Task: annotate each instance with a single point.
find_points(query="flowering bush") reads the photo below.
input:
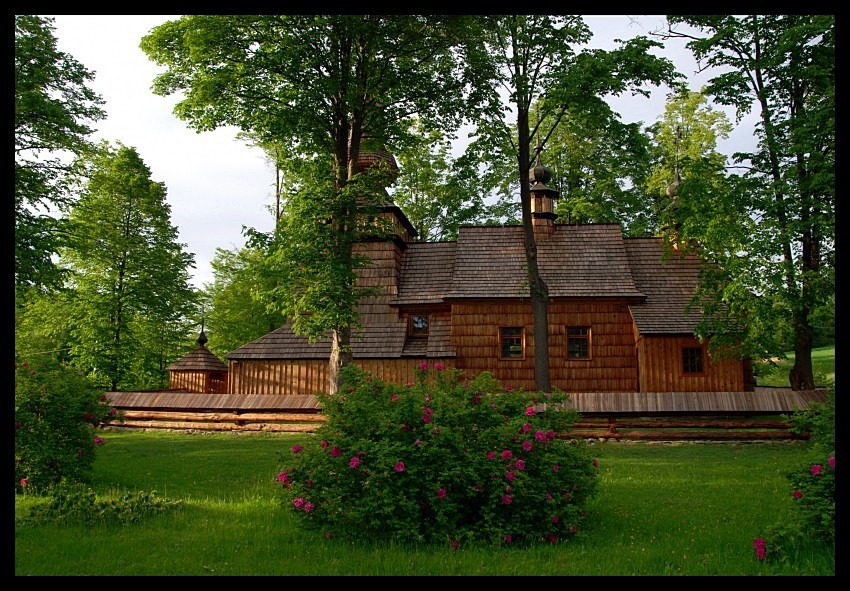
(811, 486)
(57, 412)
(445, 459)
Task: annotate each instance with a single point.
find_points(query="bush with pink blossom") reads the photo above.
(447, 459)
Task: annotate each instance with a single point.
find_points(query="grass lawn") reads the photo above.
(674, 509)
(823, 366)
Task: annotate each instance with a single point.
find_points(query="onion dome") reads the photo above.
(673, 188)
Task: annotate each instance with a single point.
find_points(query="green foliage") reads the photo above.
(73, 503)
(775, 256)
(53, 107)
(131, 296)
(446, 459)
(57, 413)
(812, 485)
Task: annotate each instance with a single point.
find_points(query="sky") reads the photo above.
(215, 183)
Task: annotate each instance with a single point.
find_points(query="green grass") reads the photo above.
(823, 367)
(689, 509)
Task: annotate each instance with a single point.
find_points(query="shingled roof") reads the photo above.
(575, 261)
(198, 359)
(426, 274)
(669, 285)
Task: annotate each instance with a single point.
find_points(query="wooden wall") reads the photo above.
(308, 376)
(661, 368)
(205, 382)
(613, 362)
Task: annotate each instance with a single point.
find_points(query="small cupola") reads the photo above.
(543, 214)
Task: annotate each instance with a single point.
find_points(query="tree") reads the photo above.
(437, 192)
(535, 63)
(783, 66)
(328, 86)
(130, 276)
(53, 110)
(236, 314)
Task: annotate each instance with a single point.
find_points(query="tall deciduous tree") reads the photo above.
(235, 313)
(328, 86)
(536, 63)
(783, 67)
(53, 110)
(130, 275)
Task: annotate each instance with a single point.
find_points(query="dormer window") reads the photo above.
(418, 325)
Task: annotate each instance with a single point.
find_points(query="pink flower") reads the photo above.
(113, 412)
(308, 507)
(399, 467)
(296, 449)
(555, 519)
(436, 430)
(595, 463)
(409, 384)
(550, 434)
(417, 443)
(520, 465)
(423, 366)
(529, 411)
(476, 399)
(508, 539)
(426, 418)
(299, 502)
(508, 389)
(354, 462)
(324, 444)
(507, 500)
(394, 397)
(540, 435)
(797, 494)
(439, 366)
(491, 455)
(454, 544)
(526, 446)
(79, 452)
(526, 427)
(759, 545)
(328, 535)
(572, 529)
(89, 416)
(548, 497)
(282, 477)
(831, 462)
(98, 440)
(816, 469)
(510, 476)
(555, 468)
(507, 454)
(335, 452)
(24, 482)
(441, 494)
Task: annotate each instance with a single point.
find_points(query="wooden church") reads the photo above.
(617, 312)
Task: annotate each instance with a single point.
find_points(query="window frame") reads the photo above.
(502, 338)
(702, 360)
(586, 337)
(410, 329)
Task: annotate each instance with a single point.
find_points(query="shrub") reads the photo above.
(445, 459)
(73, 503)
(811, 484)
(57, 413)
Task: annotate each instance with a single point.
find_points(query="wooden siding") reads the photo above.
(299, 377)
(661, 368)
(199, 381)
(613, 362)
(279, 376)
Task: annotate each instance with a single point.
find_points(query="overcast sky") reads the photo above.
(217, 184)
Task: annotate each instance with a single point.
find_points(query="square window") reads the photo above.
(419, 326)
(512, 342)
(578, 342)
(692, 360)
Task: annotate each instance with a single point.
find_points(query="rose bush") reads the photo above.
(446, 459)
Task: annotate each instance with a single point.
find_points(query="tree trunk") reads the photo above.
(340, 358)
(538, 290)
